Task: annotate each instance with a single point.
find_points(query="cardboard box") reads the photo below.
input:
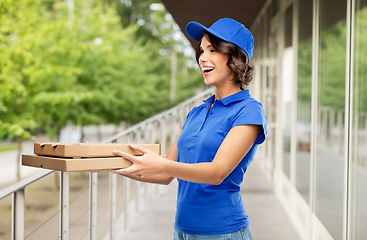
(75, 164)
(78, 157)
(87, 150)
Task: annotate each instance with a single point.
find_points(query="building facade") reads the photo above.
(310, 74)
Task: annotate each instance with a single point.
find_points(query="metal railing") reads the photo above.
(162, 128)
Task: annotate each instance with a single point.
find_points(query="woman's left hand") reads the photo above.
(148, 164)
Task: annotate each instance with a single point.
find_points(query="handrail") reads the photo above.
(22, 184)
(166, 122)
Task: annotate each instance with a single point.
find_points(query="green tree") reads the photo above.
(79, 65)
(16, 113)
(158, 32)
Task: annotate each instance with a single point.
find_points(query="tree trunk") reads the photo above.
(82, 133)
(83, 175)
(57, 134)
(19, 144)
(99, 133)
(57, 173)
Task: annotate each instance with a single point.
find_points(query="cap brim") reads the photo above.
(195, 30)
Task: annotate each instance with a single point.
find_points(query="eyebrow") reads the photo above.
(209, 46)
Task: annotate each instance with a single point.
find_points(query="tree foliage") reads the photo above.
(85, 64)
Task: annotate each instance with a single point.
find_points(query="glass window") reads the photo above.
(304, 88)
(330, 162)
(358, 164)
(287, 91)
(257, 49)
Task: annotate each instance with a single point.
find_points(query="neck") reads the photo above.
(226, 91)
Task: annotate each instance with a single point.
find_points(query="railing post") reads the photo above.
(64, 205)
(93, 177)
(18, 215)
(113, 183)
(137, 185)
(126, 202)
(163, 137)
(137, 194)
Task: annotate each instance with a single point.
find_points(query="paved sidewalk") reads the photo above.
(268, 219)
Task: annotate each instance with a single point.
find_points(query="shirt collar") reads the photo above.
(240, 96)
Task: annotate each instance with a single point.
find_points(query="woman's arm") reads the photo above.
(156, 178)
(234, 147)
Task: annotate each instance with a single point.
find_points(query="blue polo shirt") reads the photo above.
(207, 209)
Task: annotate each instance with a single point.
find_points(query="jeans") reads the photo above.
(242, 234)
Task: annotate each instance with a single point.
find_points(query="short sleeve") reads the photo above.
(252, 114)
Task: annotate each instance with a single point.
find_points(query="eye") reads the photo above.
(212, 50)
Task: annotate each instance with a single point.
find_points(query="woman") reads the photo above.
(217, 142)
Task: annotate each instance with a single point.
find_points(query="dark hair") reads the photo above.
(237, 62)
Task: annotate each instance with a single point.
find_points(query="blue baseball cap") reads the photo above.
(226, 29)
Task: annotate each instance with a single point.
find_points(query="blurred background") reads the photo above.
(88, 63)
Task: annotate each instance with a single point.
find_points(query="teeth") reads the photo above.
(207, 68)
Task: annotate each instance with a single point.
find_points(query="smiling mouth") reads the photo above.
(207, 69)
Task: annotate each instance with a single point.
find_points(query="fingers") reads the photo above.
(134, 147)
(124, 155)
(139, 148)
(139, 168)
(133, 170)
(124, 171)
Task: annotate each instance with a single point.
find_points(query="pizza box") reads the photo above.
(86, 150)
(94, 157)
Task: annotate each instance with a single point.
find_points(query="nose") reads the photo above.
(202, 58)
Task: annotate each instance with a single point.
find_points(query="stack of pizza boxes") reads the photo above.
(77, 157)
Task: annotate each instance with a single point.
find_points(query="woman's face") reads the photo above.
(214, 65)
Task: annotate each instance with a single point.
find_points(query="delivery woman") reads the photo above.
(217, 142)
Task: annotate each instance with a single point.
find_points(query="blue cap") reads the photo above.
(226, 29)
